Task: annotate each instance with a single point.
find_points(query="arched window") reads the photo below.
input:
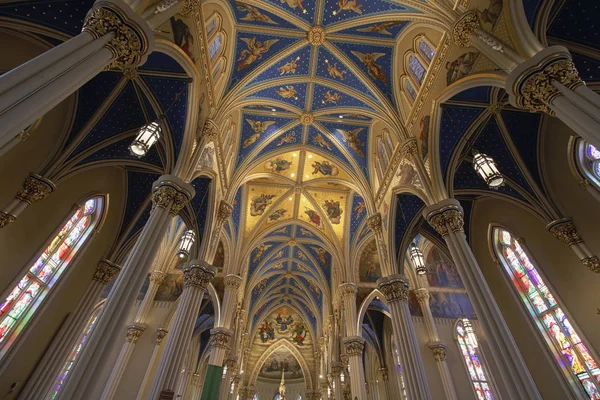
(416, 68)
(572, 355)
(213, 24)
(409, 88)
(27, 295)
(388, 141)
(218, 68)
(215, 46)
(467, 343)
(383, 154)
(81, 341)
(588, 158)
(425, 49)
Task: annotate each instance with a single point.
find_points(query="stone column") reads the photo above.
(170, 194)
(446, 217)
(134, 331)
(113, 37)
(231, 364)
(41, 382)
(564, 230)
(35, 188)
(395, 290)
(375, 223)
(196, 276)
(348, 293)
(220, 339)
(160, 336)
(437, 348)
(336, 372)
(354, 347)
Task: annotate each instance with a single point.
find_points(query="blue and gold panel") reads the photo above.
(326, 97)
(236, 215)
(279, 255)
(293, 65)
(303, 9)
(139, 186)
(255, 129)
(408, 207)
(300, 268)
(200, 203)
(333, 69)
(477, 94)
(293, 94)
(336, 11)
(246, 14)
(262, 252)
(266, 107)
(348, 117)
(311, 288)
(304, 233)
(322, 142)
(65, 16)
(383, 30)
(354, 138)
(285, 231)
(120, 151)
(161, 62)
(375, 61)
(252, 50)
(322, 257)
(359, 212)
(364, 232)
(309, 314)
(258, 313)
(455, 122)
(280, 266)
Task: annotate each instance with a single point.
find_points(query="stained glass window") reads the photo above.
(382, 152)
(20, 305)
(591, 162)
(426, 50)
(215, 46)
(212, 25)
(572, 355)
(467, 343)
(218, 68)
(410, 89)
(81, 341)
(416, 68)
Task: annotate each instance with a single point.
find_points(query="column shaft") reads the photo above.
(354, 346)
(160, 335)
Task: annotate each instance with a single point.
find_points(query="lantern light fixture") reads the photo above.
(417, 259)
(486, 167)
(470, 332)
(185, 245)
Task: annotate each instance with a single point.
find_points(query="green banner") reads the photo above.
(212, 383)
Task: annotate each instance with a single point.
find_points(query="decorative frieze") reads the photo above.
(394, 287)
(105, 272)
(35, 188)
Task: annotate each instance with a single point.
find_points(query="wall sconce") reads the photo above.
(486, 167)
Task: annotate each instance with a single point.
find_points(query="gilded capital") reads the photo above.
(157, 277)
(421, 294)
(169, 196)
(564, 230)
(224, 212)
(129, 43)
(410, 148)
(6, 218)
(354, 345)
(160, 335)
(394, 287)
(592, 263)
(464, 28)
(105, 272)
(347, 291)
(198, 275)
(134, 332)
(230, 363)
(232, 282)
(220, 337)
(336, 368)
(210, 130)
(438, 350)
(446, 219)
(375, 223)
(35, 188)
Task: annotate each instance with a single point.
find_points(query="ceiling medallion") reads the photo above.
(316, 35)
(307, 118)
(291, 242)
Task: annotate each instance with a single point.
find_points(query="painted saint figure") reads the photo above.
(324, 168)
(259, 203)
(333, 210)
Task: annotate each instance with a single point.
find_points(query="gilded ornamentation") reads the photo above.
(439, 352)
(384, 374)
(210, 130)
(534, 89)
(422, 294)
(105, 272)
(347, 291)
(307, 118)
(189, 7)
(354, 345)
(224, 211)
(6, 218)
(232, 282)
(454, 220)
(316, 35)
(160, 335)
(157, 277)
(198, 276)
(130, 73)
(336, 368)
(167, 195)
(24, 134)
(129, 42)
(446, 220)
(565, 231)
(344, 359)
(464, 28)
(394, 288)
(438, 223)
(220, 337)
(410, 148)
(375, 223)
(230, 363)
(592, 263)
(35, 188)
(133, 333)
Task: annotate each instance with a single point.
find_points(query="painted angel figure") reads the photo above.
(353, 141)
(254, 14)
(254, 52)
(349, 5)
(259, 127)
(295, 3)
(380, 28)
(374, 69)
(287, 92)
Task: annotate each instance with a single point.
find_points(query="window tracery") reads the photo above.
(416, 63)
(588, 159)
(467, 344)
(563, 339)
(38, 280)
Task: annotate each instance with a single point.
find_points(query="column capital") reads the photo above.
(210, 131)
(464, 28)
(410, 148)
(344, 359)
(134, 332)
(445, 216)
(564, 230)
(354, 345)
(35, 188)
(347, 290)
(421, 294)
(132, 36)
(232, 282)
(230, 363)
(6, 218)
(106, 271)
(375, 223)
(220, 338)
(336, 368)
(171, 192)
(394, 287)
(198, 274)
(530, 84)
(438, 350)
(157, 277)
(592, 263)
(160, 335)
(384, 374)
(224, 212)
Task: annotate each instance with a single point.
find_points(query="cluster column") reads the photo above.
(446, 217)
(196, 276)
(395, 289)
(170, 194)
(161, 333)
(55, 358)
(219, 343)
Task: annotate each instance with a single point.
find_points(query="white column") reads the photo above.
(336, 374)
(113, 36)
(231, 365)
(35, 188)
(354, 347)
(170, 194)
(160, 335)
(347, 292)
(134, 331)
(446, 217)
(41, 382)
(395, 290)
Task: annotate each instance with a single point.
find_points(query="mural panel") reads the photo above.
(369, 268)
(281, 360)
(441, 272)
